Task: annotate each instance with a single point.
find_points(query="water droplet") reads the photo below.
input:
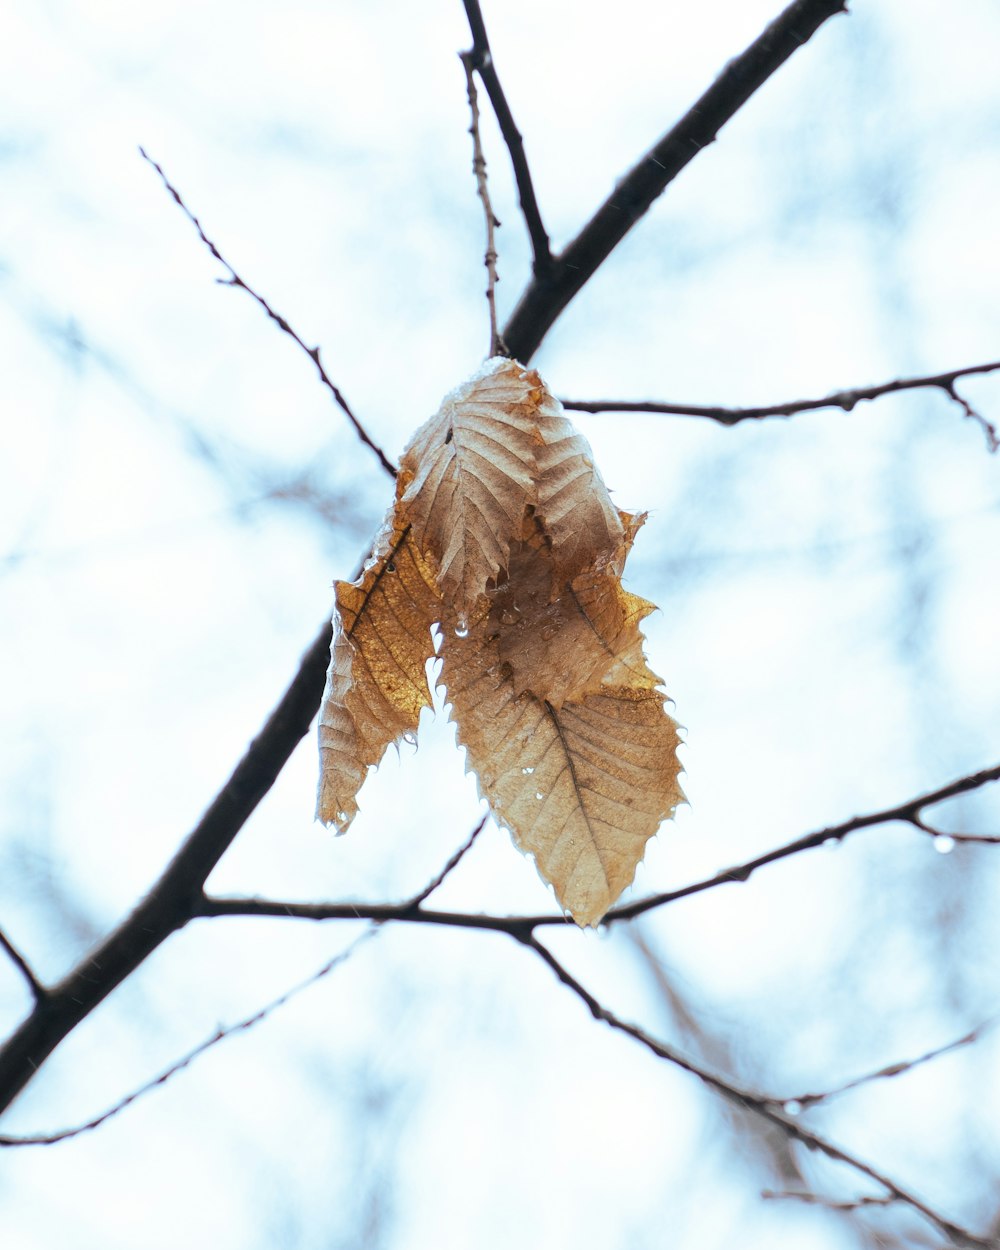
(792, 1107)
(831, 844)
(527, 771)
(943, 844)
(510, 615)
(549, 632)
(539, 795)
(461, 631)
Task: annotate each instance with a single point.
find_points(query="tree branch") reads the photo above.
(803, 1101)
(750, 1100)
(49, 1139)
(479, 169)
(845, 400)
(550, 291)
(481, 60)
(909, 812)
(173, 900)
(312, 352)
(833, 1204)
(518, 926)
(37, 989)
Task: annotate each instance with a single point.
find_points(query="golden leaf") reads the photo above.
(581, 787)
(559, 639)
(376, 685)
(500, 445)
(504, 532)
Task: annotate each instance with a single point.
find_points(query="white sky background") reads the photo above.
(177, 494)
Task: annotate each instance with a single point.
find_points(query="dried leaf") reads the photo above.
(499, 446)
(560, 638)
(376, 685)
(582, 787)
(504, 532)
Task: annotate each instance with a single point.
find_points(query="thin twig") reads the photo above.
(520, 925)
(449, 867)
(832, 1204)
(550, 291)
(752, 1101)
(173, 900)
(479, 169)
(22, 965)
(803, 1101)
(833, 834)
(845, 400)
(220, 1035)
(313, 353)
(483, 63)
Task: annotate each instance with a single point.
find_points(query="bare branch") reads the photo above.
(48, 1139)
(312, 352)
(845, 400)
(220, 1035)
(213, 906)
(449, 867)
(38, 990)
(750, 1100)
(519, 926)
(550, 291)
(173, 900)
(832, 1204)
(803, 1101)
(482, 61)
(479, 169)
(909, 812)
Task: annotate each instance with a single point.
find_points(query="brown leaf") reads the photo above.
(559, 639)
(499, 446)
(581, 787)
(504, 532)
(376, 685)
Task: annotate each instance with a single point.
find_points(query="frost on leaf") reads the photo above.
(504, 533)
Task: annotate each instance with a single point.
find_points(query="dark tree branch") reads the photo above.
(550, 291)
(909, 812)
(750, 1100)
(481, 58)
(518, 926)
(845, 400)
(435, 882)
(235, 280)
(804, 1101)
(49, 1139)
(174, 899)
(38, 990)
(482, 186)
(833, 1204)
